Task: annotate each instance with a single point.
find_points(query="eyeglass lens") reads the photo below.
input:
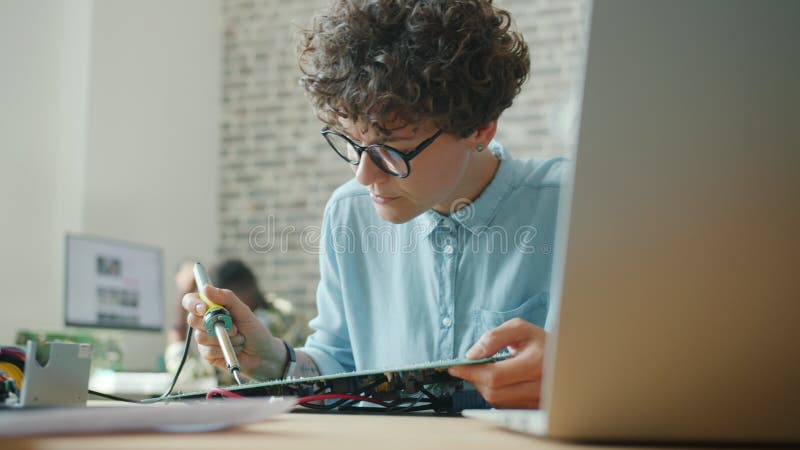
(381, 156)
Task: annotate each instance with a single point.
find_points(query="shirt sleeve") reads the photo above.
(329, 345)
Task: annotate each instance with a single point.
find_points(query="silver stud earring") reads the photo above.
(479, 148)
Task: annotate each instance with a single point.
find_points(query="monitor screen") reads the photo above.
(113, 284)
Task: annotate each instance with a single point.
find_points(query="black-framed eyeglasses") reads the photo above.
(387, 158)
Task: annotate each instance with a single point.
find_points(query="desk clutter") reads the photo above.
(63, 379)
(414, 388)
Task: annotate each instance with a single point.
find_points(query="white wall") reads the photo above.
(33, 158)
(153, 139)
(108, 126)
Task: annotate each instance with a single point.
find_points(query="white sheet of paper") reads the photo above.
(184, 417)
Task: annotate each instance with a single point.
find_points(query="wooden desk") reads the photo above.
(308, 431)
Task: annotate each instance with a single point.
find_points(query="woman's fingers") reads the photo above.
(500, 374)
(512, 333)
(514, 382)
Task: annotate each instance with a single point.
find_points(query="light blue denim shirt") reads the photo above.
(426, 290)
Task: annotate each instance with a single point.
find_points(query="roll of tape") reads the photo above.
(12, 371)
(12, 364)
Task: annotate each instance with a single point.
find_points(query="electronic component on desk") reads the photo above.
(62, 380)
(419, 387)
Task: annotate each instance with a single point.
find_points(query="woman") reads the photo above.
(443, 240)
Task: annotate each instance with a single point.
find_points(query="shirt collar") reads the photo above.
(478, 214)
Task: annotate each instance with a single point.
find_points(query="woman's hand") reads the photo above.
(514, 382)
(260, 354)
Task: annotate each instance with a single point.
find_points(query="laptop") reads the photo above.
(677, 275)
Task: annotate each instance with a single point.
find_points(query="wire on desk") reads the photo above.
(222, 393)
(171, 386)
(305, 401)
(358, 398)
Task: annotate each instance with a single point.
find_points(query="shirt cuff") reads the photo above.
(326, 364)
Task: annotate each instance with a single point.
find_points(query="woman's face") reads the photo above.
(437, 177)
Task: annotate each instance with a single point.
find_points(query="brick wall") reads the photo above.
(276, 172)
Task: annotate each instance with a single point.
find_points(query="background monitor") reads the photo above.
(113, 284)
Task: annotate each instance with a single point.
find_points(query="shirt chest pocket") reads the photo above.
(534, 310)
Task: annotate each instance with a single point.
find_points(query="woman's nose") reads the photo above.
(367, 172)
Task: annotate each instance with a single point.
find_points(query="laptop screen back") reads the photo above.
(679, 309)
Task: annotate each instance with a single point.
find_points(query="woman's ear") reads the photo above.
(481, 137)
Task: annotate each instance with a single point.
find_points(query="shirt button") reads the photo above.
(448, 249)
(447, 321)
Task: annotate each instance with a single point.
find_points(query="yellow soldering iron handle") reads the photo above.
(215, 312)
(202, 280)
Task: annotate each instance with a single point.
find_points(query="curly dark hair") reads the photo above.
(457, 63)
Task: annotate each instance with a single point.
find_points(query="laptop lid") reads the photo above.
(678, 318)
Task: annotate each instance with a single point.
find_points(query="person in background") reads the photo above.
(275, 313)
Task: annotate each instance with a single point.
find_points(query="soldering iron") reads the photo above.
(217, 322)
